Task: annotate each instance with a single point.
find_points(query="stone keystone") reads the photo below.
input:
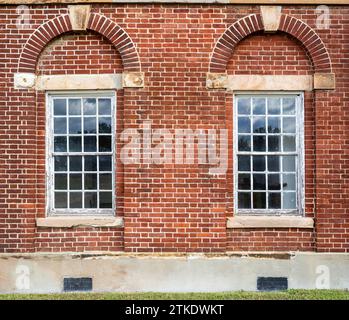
(271, 17)
(79, 16)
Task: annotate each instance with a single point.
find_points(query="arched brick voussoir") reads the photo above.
(119, 38)
(310, 39)
(61, 24)
(230, 38)
(39, 39)
(245, 26)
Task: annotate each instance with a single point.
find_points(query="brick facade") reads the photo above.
(172, 207)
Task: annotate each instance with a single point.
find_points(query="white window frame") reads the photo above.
(300, 171)
(50, 210)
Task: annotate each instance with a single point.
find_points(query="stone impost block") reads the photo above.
(133, 79)
(216, 81)
(324, 81)
(24, 80)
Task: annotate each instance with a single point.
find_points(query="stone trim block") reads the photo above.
(324, 81)
(23, 80)
(79, 16)
(270, 82)
(271, 16)
(82, 221)
(79, 82)
(216, 80)
(241, 222)
(133, 80)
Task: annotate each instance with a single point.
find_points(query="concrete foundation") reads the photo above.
(45, 273)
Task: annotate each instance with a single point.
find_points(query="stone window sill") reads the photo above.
(80, 221)
(240, 222)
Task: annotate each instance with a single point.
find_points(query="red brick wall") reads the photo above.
(172, 208)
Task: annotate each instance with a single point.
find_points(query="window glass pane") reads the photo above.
(289, 106)
(289, 200)
(74, 144)
(274, 125)
(274, 201)
(89, 125)
(244, 143)
(90, 144)
(273, 163)
(244, 125)
(90, 181)
(74, 107)
(104, 125)
(258, 163)
(75, 163)
(259, 181)
(105, 181)
(274, 144)
(60, 181)
(274, 105)
(104, 143)
(89, 106)
(244, 105)
(259, 124)
(90, 163)
(259, 200)
(61, 200)
(289, 125)
(259, 143)
(104, 106)
(244, 182)
(289, 181)
(90, 200)
(244, 200)
(75, 125)
(60, 125)
(75, 181)
(244, 163)
(105, 163)
(289, 163)
(60, 163)
(60, 144)
(274, 182)
(258, 105)
(289, 143)
(75, 200)
(105, 200)
(59, 107)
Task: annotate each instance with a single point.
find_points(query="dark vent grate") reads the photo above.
(77, 284)
(272, 283)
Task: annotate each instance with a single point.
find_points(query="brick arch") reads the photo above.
(61, 24)
(253, 23)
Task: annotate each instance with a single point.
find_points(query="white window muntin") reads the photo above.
(298, 153)
(51, 154)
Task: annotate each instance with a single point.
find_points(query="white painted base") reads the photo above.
(43, 273)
